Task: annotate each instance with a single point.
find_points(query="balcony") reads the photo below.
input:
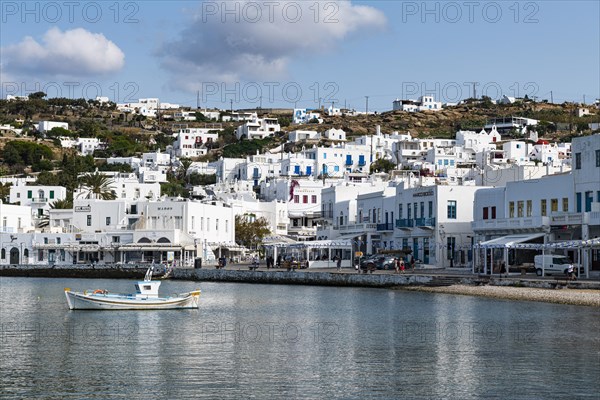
(405, 223)
(39, 200)
(388, 226)
(428, 223)
(527, 224)
(357, 228)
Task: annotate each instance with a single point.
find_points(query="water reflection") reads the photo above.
(294, 341)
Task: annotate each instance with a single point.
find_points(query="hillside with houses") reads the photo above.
(94, 181)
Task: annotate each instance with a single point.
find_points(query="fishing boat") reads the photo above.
(145, 298)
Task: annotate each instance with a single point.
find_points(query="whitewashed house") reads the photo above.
(258, 128)
(191, 142)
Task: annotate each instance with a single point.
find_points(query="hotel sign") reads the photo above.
(83, 209)
(423, 194)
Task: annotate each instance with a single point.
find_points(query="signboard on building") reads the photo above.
(82, 209)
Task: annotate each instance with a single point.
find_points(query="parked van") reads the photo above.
(553, 264)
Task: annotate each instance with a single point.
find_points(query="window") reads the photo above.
(520, 205)
(408, 211)
(485, 213)
(511, 209)
(578, 195)
(217, 224)
(107, 221)
(415, 210)
(296, 198)
(422, 205)
(305, 199)
(451, 209)
(226, 225)
(554, 205)
(494, 212)
(313, 199)
(89, 220)
(193, 221)
(52, 194)
(116, 239)
(543, 211)
(577, 160)
(3, 254)
(57, 240)
(29, 194)
(431, 209)
(400, 211)
(597, 158)
(201, 223)
(207, 224)
(529, 208)
(565, 202)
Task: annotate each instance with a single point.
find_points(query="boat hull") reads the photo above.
(83, 301)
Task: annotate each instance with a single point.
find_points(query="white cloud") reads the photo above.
(73, 53)
(216, 48)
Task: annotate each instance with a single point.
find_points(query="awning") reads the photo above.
(316, 244)
(511, 241)
(149, 247)
(228, 246)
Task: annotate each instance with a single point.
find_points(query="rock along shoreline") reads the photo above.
(514, 287)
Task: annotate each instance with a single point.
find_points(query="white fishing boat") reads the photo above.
(145, 298)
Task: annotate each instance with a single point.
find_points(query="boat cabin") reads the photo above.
(147, 288)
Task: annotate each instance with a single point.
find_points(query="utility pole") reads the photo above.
(231, 102)
(198, 99)
(551, 98)
(261, 102)
(367, 106)
(474, 91)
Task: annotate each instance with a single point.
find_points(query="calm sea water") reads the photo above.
(260, 341)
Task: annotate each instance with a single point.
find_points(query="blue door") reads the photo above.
(309, 170)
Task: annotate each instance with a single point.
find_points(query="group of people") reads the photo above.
(401, 265)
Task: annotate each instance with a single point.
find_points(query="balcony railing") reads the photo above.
(425, 222)
(39, 200)
(523, 224)
(358, 228)
(404, 223)
(388, 226)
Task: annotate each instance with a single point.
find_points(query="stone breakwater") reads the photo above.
(100, 271)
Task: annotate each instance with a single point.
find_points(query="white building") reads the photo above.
(192, 142)
(424, 103)
(435, 223)
(258, 128)
(306, 115)
(38, 198)
(300, 135)
(45, 126)
(84, 146)
(125, 186)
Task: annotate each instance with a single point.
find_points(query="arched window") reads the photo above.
(3, 254)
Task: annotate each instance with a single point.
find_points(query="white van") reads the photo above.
(553, 264)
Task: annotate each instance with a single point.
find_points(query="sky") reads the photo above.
(246, 54)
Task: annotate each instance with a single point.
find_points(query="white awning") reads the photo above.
(511, 241)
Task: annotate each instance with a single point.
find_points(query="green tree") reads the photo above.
(250, 232)
(382, 165)
(97, 186)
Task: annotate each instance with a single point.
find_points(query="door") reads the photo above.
(14, 256)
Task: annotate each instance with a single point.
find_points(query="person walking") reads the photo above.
(402, 267)
(397, 265)
(338, 262)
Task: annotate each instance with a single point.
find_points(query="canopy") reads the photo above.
(511, 241)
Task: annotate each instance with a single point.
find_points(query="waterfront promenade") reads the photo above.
(452, 281)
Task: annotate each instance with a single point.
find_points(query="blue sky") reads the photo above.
(303, 53)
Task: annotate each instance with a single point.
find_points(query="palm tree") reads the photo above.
(43, 220)
(97, 186)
